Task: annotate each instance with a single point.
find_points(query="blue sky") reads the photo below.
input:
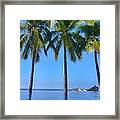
(49, 73)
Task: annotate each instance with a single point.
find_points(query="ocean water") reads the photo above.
(59, 95)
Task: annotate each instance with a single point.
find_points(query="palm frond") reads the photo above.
(59, 44)
(56, 55)
(72, 55)
(37, 57)
(26, 50)
(23, 40)
(72, 24)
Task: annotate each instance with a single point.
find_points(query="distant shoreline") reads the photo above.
(95, 88)
(46, 89)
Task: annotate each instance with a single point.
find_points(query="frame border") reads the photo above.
(55, 2)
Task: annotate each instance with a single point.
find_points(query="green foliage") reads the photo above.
(95, 44)
(67, 38)
(89, 47)
(23, 26)
(37, 42)
(90, 22)
(92, 33)
(66, 32)
(31, 41)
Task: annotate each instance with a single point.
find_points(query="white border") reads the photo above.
(13, 15)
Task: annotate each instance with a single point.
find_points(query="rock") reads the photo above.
(94, 88)
(77, 89)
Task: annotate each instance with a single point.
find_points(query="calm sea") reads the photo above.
(56, 94)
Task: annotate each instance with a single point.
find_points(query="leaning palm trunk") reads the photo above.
(97, 67)
(31, 78)
(65, 75)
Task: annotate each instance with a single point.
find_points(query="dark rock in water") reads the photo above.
(95, 88)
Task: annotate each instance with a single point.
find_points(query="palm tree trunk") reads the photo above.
(65, 75)
(97, 67)
(31, 78)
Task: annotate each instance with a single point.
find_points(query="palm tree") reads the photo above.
(31, 44)
(94, 45)
(91, 31)
(64, 30)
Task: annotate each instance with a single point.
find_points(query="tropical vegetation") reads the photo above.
(92, 36)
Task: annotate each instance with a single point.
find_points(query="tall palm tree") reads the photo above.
(64, 30)
(31, 44)
(91, 31)
(94, 45)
